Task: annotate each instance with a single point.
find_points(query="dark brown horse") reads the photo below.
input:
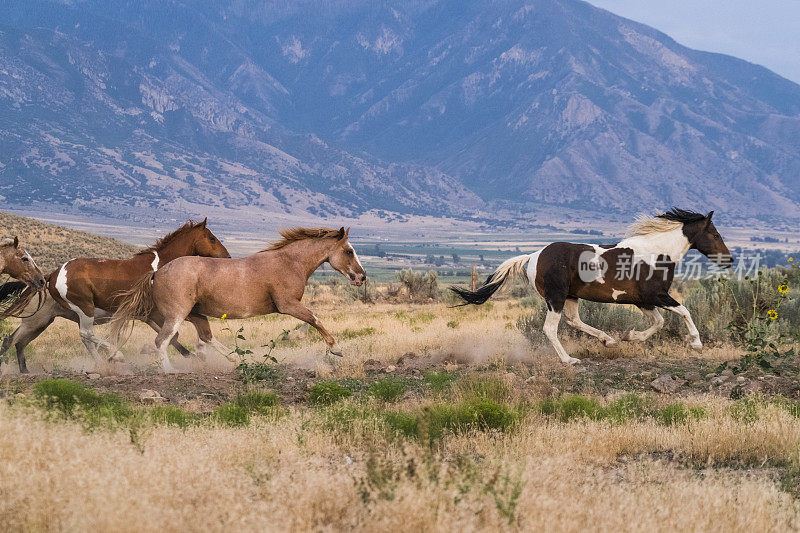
(269, 281)
(86, 290)
(639, 271)
(18, 263)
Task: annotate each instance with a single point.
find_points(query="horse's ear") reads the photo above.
(709, 215)
(342, 233)
(16, 241)
(347, 232)
(203, 223)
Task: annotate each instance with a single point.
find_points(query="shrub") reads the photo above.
(745, 410)
(354, 334)
(326, 393)
(627, 407)
(388, 389)
(479, 387)
(405, 424)
(421, 287)
(678, 413)
(481, 414)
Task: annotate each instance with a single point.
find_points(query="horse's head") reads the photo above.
(18, 263)
(707, 240)
(205, 243)
(344, 259)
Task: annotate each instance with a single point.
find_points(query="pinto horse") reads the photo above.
(638, 270)
(270, 281)
(85, 290)
(18, 263)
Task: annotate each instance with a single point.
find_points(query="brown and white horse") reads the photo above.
(18, 263)
(270, 281)
(638, 270)
(86, 290)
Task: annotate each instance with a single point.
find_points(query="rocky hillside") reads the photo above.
(52, 245)
(425, 106)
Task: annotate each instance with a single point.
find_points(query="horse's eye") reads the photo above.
(212, 239)
(25, 259)
(350, 252)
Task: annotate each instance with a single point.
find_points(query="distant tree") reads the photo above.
(456, 258)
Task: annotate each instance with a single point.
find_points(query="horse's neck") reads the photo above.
(174, 249)
(308, 253)
(671, 243)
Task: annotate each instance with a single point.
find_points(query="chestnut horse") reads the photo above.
(270, 281)
(639, 271)
(18, 263)
(85, 290)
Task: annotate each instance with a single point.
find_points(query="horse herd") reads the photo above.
(189, 275)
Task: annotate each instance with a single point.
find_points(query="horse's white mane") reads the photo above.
(648, 225)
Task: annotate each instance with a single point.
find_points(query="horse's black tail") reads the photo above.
(506, 272)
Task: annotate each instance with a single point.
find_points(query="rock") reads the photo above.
(150, 396)
(711, 375)
(530, 380)
(753, 387)
(311, 373)
(389, 369)
(666, 384)
(290, 378)
(693, 376)
(718, 380)
(740, 379)
(727, 372)
(93, 375)
(372, 364)
(406, 357)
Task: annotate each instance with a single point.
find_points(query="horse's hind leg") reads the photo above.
(551, 331)
(656, 322)
(168, 330)
(27, 331)
(205, 337)
(574, 320)
(173, 341)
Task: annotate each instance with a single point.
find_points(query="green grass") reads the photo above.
(231, 414)
(440, 381)
(474, 386)
(258, 402)
(170, 416)
(478, 414)
(355, 333)
(74, 399)
(327, 393)
(388, 389)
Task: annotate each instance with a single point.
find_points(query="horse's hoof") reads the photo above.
(573, 361)
(117, 358)
(696, 346)
(609, 342)
(335, 350)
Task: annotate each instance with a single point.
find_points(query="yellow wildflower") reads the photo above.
(791, 259)
(772, 314)
(783, 289)
(224, 316)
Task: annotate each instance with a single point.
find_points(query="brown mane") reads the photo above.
(169, 237)
(291, 235)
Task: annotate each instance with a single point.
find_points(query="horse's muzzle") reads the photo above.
(357, 279)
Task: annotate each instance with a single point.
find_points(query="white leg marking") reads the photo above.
(616, 293)
(694, 336)
(166, 364)
(574, 320)
(551, 331)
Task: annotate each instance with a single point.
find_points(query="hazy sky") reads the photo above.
(766, 32)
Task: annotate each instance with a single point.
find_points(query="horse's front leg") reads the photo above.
(300, 311)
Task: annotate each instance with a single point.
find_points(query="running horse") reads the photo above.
(86, 290)
(18, 263)
(638, 270)
(270, 281)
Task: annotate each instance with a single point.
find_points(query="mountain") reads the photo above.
(445, 107)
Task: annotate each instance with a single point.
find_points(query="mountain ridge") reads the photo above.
(425, 107)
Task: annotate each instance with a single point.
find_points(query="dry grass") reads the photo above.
(290, 474)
